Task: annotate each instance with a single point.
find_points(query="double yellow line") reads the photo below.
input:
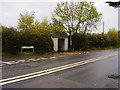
(52, 70)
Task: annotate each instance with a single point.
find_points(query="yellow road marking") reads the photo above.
(48, 71)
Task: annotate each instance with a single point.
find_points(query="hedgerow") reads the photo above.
(13, 40)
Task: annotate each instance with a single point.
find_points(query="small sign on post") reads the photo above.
(27, 47)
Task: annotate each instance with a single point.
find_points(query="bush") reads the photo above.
(99, 40)
(93, 40)
(10, 40)
(13, 40)
(113, 34)
(80, 41)
(40, 43)
(104, 40)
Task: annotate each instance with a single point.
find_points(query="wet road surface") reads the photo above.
(91, 75)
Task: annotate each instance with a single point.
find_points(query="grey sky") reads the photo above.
(10, 11)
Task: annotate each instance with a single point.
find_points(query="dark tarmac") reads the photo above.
(91, 75)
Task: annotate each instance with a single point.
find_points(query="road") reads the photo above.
(90, 70)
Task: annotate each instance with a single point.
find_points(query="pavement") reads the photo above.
(85, 70)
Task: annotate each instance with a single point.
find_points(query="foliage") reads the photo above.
(26, 21)
(77, 16)
(113, 34)
(13, 40)
(57, 26)
(99, 41)
(88, 41)
(104, 40)
(41, 44)
(80, 41)
(10, 40)
(43, 28)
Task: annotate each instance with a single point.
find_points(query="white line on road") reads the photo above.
(32, 59)
(48, 71)
(22, 61)
(52, 57)
(43, 58)
(7, 62)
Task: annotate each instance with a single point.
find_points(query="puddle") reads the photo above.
(114, 76)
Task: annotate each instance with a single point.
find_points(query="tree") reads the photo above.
(26, 21)
(42, 28)
(57, 26)
(113, 34)
(28, 24)
(77, 16)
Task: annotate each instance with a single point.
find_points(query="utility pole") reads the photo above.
(103, 28)
(71, 25)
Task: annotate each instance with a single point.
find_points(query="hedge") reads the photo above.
(88, 41)
(80, 41)
(13, 40)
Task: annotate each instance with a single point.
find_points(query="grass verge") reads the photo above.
(51, 52)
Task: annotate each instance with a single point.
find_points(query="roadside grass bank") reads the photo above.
(27, 53)
(53, 52)
(105, 48)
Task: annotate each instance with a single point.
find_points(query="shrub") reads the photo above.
(113, 34)
(41, 44)
(13, 40)
(93, 40)
(80, 42)
(99, 40)
(10, 40)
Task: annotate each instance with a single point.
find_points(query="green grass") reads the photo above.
(31, 53)
(6, 54)
(105, 48)
(112, 47)
(118, 46)
(18, 54)
(25, 53)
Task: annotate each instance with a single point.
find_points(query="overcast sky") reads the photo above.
(11, 9)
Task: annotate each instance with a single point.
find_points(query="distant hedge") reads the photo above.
(41, 43)
(10, 40)
(13, 40)
(88, 41)
(80, 41)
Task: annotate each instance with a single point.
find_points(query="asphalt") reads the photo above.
(92, 75)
